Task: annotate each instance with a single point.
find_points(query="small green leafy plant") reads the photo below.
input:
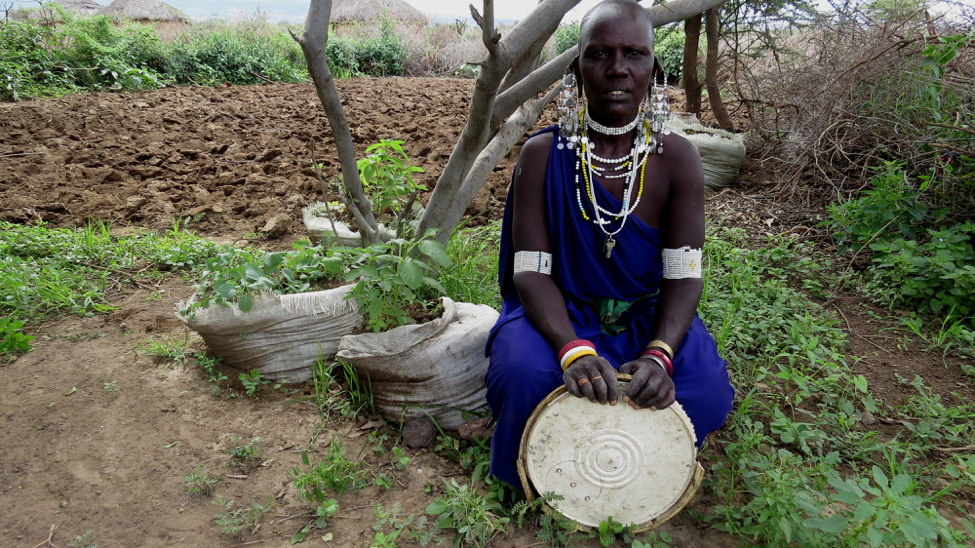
(12, 340)
(199, 483)
(253, 382)
(236, 522)
(235, 276)
(392, 276)
(244, 451)
(336, 473)
(84, 540)
(476, 518)
(387, 178)
(325, 510)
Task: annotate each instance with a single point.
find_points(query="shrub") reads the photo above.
(669, 50)
(890, 209)
(934, 276)
(566, 36)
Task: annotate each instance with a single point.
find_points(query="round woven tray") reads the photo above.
(638, 467)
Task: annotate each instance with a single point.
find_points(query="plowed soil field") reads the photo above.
(76, 456)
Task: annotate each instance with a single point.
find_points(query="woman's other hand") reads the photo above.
(650, 386)
(591, 377)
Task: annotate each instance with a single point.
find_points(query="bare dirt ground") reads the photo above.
(78, 457)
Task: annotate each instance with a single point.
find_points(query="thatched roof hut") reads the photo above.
(47, 12)
(145, 11)
(347, 11)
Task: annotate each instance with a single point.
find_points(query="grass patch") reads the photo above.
(796, 466)
(46, 271)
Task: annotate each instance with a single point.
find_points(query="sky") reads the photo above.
(295, 10)
(505, 11)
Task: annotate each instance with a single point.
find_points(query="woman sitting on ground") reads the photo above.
(600, 265)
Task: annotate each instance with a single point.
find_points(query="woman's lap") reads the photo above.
(524, 370)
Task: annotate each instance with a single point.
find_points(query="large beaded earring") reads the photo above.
(570, 112)
(660, 119)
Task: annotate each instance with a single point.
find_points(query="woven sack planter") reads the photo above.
(436, 367)
(281, 335)
(722, 152)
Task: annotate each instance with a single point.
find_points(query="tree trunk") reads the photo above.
(313, 42)
(692, 86)
(712, 28)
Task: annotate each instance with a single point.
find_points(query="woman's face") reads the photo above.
(615, 63)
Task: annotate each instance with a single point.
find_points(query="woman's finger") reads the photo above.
(664, 396)
(648, 390)
(571, 384)
(609, 376)
(640, 375)
(585, 386)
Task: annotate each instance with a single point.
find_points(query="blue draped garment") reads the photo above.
(524, 368)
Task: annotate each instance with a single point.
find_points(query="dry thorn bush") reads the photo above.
(841, 96)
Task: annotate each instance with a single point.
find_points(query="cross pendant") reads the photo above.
(609, 245)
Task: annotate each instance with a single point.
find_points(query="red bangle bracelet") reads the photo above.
(574, 344)
(663, 357)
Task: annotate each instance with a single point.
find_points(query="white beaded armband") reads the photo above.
(533, 261)
(682, 263)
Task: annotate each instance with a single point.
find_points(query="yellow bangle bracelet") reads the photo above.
(577, 355)
(662, 345)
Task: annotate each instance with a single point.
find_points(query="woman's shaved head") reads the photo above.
(612, 8)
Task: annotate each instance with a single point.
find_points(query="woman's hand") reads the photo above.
(650, 386)
(591, 377)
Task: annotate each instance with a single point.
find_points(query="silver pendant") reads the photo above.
(608, 246)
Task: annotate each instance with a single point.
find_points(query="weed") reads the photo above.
(12, 340)
(253, 382)
(400, 461)
(325, 510)
(476, 518)
(389, 526)
(83, 540)
(209, 365)
(328, 396)
(360, 396)
(336, 473)
(473, 253)
(198, 483)
(654, 539)
(236, 522)
(244, 451)
(170, 349)
(552, 528)
(111, 388)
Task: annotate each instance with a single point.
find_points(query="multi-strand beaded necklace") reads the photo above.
(626, 167)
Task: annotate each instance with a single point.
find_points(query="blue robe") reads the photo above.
(524, 368)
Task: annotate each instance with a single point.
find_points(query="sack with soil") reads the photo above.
(437, 367)
(281, 335)
(722, 152)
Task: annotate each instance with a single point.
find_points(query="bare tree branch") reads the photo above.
(313, 42)
(502, 143)
(489, 35)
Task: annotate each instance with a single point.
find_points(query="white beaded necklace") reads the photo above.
(635, 166)
(606, 130)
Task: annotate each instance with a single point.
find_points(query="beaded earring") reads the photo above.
(570, 112)
(660, 117)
